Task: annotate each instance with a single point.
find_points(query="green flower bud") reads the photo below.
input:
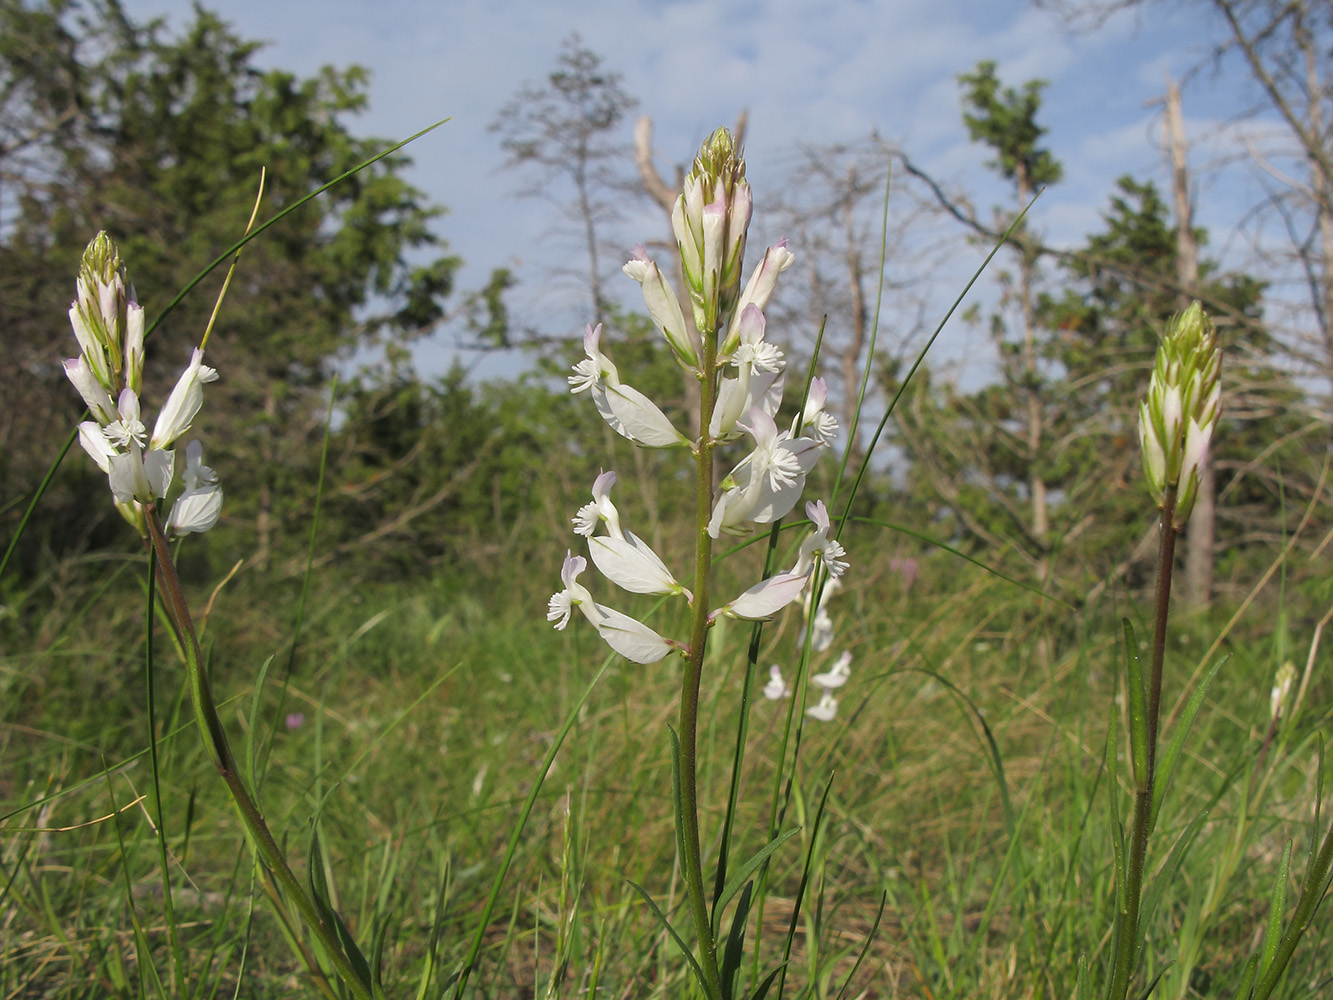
(1177, 419)
(710, 220)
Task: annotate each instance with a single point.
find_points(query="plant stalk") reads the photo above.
(1129, 936)
(691, 862)
(219, 751)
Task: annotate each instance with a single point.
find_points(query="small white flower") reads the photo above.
(95, 396)
(141, 476)
(664, 308)
(601, 509)
(197, 509)
(197, 475)
(95, 443)
(764, 599)
(128, 428)
(632, 565)
(768, 481)
(631, 639)
(815, 421)
(627, 411)
(758, 289)
(182, 406)
(837, 674)
(818, 543)
(776, 688)
(826, 710)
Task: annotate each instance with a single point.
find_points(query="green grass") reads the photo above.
(428, 710)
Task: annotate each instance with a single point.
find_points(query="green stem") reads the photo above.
(219, 751)
(1127, 940)
(691, 863)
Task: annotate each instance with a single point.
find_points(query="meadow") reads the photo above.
(479, 798)
(924, 718)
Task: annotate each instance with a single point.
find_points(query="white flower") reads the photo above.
(128, 427)
(182, 406)
(197, 475)
(627, 411)
(95, 443)
(758, 290)
(631, 639)
(819, 543)
(139, 476)
(776, 688)
(837, 674)
(764, 599)
(601, 509)
(815, 421)
(664, 308)
(199, 505)
(632, 565)
(195, 510)
(758, 381)
(95, 396)
(826, 710)
(768, 481)
(134, 333)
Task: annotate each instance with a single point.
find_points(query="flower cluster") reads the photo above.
(141, 467)
(1177, 419)
(821, 638)
(722, 343)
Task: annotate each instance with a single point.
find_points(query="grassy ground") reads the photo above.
(966, 792)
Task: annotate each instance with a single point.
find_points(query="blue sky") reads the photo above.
(807, 72)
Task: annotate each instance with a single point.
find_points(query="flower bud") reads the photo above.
(1280, 696)
(1177, 419)
(95, 314)
(710, 220)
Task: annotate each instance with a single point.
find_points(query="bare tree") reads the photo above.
(565, 131)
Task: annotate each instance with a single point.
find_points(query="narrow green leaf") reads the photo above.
(762, 989)
(733, 952)
(1138, 708)
(319, 891)
(1247, 979)
(1277, 905)
(742, 875)
(1158, 883)
(253, 730)
(865, 947)
(1155, 980)
(1166, 764)
(680, 941)
(377, 959)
